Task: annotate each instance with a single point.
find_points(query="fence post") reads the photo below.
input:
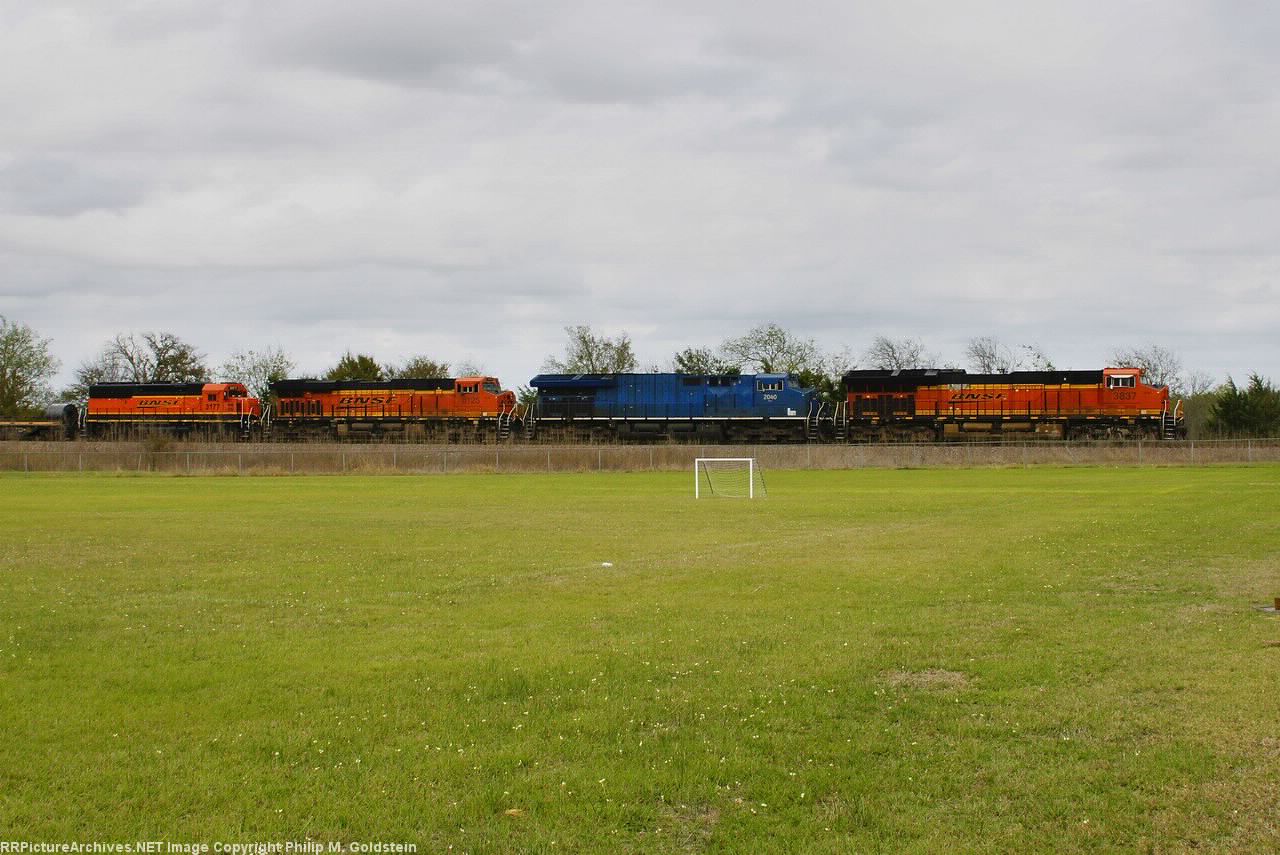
(444, 461)
(651, 458)
(290, 462)
(600, 460)
(188, 462)
(24, 461)
(81, 461)
(548, 460)
(344, 461)
(240, 463)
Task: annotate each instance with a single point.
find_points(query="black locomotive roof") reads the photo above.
(574, 380)
(293, 388)
(542, 381)
(130, 390)
(877, 380)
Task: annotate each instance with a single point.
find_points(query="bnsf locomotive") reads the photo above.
(910, 405)
(197, 410)
(465, 409)
(930, 404)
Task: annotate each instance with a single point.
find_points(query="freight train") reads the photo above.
(920, 405)
(923, 405)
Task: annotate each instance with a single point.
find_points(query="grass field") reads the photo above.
(915, 660)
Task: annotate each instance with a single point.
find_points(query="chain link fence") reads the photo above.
(328, 459)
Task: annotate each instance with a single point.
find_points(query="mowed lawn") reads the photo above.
(1000, 660)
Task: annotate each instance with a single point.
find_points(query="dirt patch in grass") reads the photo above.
(691, 826)
(933, 679)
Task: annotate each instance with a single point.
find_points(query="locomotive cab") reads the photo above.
(1117, 380)
(1125, 386)
(466, 386)
(228, 397)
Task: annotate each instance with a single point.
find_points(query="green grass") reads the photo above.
(977, 660)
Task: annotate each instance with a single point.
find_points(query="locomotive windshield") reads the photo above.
(492, 386)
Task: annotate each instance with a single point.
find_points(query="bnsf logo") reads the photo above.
(157, 402)
(977, 396)
(366, 400)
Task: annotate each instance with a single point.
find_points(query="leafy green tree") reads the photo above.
(588, 353)
(355, 366)
(1251, 411)
(26, 366)
(770, 349)
(417, 367)
(257, 369)
(703, 360)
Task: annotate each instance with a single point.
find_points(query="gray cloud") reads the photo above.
(57, 187)
(466, 181)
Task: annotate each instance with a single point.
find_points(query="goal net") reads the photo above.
(732, 477)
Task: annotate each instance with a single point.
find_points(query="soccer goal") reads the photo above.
(732, 477)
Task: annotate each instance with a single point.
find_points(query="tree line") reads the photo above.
(27, 367)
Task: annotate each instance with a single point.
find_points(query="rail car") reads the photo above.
(462, 409)
(59, 421)
(195, 410)
(696, 408)
(947, 404)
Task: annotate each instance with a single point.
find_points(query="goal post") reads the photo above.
(730, 477)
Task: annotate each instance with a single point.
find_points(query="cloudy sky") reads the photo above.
(462, 180)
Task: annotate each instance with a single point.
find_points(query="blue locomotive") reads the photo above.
(693, 407)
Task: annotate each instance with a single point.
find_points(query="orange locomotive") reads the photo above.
(208, 410)
(463, 409)
(930, 404)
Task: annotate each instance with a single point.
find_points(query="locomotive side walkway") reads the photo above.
(333, 458)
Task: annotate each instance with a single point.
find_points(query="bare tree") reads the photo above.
(145, 358)
(987, 355)
(257, 369)
(588, 353)
(26, 366)
(1196, 383)
(903, 353)
(1160, 366)
(771, 349)
(156, 358)
(1034, 358)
